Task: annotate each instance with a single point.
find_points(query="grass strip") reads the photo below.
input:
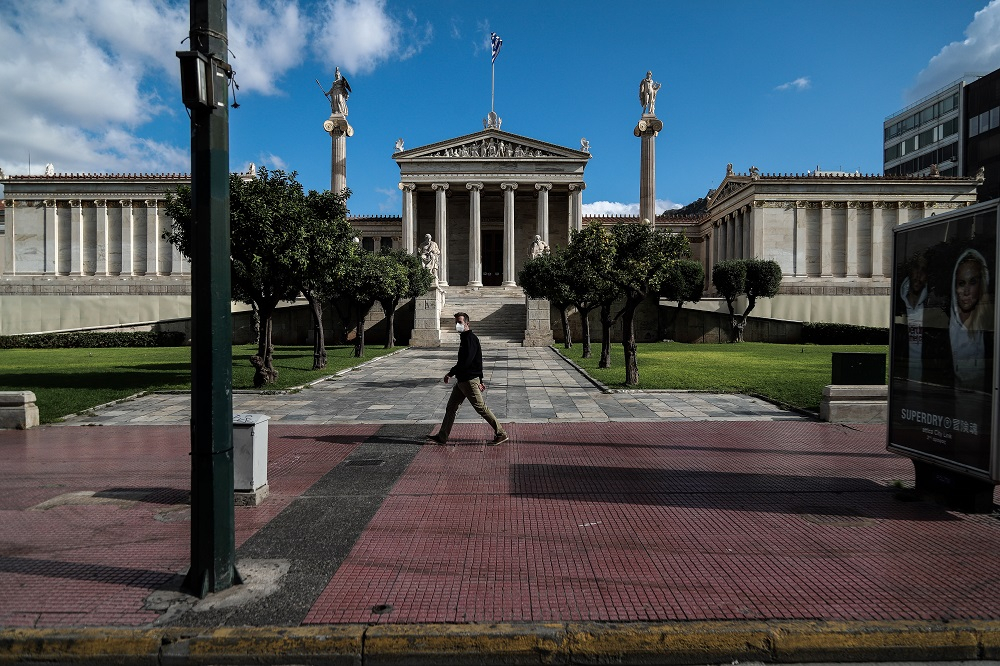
(68, 381)
(792, 375)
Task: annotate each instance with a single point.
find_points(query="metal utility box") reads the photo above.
(250, 458)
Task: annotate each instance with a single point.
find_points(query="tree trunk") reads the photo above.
(585, 325)
(567, 332)
(390, 323)
(359, 337)
(263, 362)
(319, 338)
(628, 344)
(606, 323)
(738, 326)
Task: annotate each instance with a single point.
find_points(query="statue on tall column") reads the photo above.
(647, 94)
(339, 90)
(429, 253)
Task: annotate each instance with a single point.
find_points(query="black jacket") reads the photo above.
(470, 358)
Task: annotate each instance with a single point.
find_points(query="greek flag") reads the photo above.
(497, 43)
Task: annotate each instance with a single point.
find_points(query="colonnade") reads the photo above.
(80, 237)
(475, 190)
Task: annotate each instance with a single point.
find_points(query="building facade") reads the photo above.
(982, 103)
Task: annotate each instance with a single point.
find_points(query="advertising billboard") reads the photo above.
(942, 372)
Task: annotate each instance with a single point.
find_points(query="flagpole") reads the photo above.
(493, 82)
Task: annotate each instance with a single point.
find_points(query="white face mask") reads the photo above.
(460, 327)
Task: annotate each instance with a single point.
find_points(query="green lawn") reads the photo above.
(67, 381)
(786, 374)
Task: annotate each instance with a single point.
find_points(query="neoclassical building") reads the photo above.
(483, 197)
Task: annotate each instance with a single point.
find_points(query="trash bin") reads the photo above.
(250, 458)
(858, 368)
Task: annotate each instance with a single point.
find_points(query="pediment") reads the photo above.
(491, 144)
(729, 186)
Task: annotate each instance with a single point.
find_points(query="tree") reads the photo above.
(370, 278)
(589, 260)
(754, 278)
(545, 277)
(683, 281)
(330, 253)
(642, 255)
(272, 236)
(416, 283)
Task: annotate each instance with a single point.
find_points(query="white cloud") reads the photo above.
(799, 84)
(978, 53)
(266, 41)
(272, 162)
(358, 35)
(78, 78)
(598, 208)
(390, 202)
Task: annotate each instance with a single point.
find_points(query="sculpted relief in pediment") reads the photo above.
(491, 147)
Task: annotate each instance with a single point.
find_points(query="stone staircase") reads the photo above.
(498, 314)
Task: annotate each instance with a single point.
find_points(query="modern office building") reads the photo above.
(952, 132)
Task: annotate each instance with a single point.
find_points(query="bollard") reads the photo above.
(250, 459)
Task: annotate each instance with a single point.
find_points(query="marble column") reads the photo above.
(8, 238)
(731, 236)
(878, 236)
(799, 242)
(826, 239)
(709, 258)
(646, 130)
(101, 254)
(152, 238)
(128, 238)
(475, 235)
(576, 205)
(339, 129)
(441, 229)
(76, 236)
(543, 210)
(51, 238)
(739, 222)
(508, 234)
(852, 239)
(409, 218)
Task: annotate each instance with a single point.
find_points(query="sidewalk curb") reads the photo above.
(513, 643)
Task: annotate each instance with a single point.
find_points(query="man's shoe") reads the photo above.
(500, 438)
(437, 439)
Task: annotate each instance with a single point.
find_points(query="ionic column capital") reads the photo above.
(439, 187)
(151, 203)
(50, 203)
(474, 186)
(543, 186)
(508, 186)
(125, 203)
(76, 203)
(100, 203)
(408, 187)
(573, 187)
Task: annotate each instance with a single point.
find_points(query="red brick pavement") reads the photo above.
(86, 564)
(679, 521)
(602, 521)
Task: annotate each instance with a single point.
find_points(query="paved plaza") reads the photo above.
(612, 528)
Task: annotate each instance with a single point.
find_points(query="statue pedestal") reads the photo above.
(427, 318)
(538, 329)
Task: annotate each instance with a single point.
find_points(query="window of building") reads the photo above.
(385, 243)
(892, 153)
(974, 126)
(368, 243)
(950, 127)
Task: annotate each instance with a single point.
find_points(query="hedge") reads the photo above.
(843, 334)
(93, 339)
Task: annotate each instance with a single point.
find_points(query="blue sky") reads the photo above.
(92, 85)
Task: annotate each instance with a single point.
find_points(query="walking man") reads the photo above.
(468, 374)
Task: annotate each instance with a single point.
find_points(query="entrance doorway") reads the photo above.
(492, 258)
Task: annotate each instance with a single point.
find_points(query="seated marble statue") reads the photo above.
(429, 254)
(538, 247)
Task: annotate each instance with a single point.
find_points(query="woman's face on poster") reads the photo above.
(968, 286)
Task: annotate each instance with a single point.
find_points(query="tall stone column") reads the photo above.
(709, 257)
(799, 216)
(543, 210)
(731, 236)
(739, 238)
(8, 241)
(76, 236)
(128, 238)
(101, 254)
(152, 238)
(576, 205)
(852, 239)
(339, 129)
(475, 235)
(51, 238)
(441, 229)
(647, 129)
(878, 233)
(508, 234)
(826, 239)
(409, 218)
